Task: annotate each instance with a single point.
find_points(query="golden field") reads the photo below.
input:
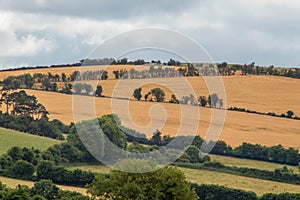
(238, 128)
(259, 93)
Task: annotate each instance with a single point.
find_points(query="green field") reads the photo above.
(239, 162)
(258, 186)
(10, 138)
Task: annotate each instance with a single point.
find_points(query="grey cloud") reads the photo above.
(101, 9)
(264, 31)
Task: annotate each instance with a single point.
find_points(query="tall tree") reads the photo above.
(63, 77)
(78, 87)
(174, 99)
(202, 101)
(88, 88)
(159, 94)
(99, 91)
(137, 94)
(289, 114)
(213, 100)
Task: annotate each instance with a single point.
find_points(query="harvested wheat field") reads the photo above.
(239, 127)
(258, 93)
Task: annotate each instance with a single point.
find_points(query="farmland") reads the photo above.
(239, 162)
(250, 92)
(10, 138)
(209, 177)
(256, 93)
(12, 183)
(239, 127)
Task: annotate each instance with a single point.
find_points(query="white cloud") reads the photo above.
(232, 30)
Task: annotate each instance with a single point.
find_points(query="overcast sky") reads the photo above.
(44, 32)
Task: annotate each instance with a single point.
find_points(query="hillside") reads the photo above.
(10, 138)
(239, 127)
(260, 93)
(257, 93)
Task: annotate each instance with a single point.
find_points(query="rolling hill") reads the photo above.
(258, 93)
(10, 138)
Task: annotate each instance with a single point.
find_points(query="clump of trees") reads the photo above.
(165, 183)
(137, 94)
(157, 94)
(220, 192)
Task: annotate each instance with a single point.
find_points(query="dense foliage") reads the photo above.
(166, 183)
(211, 192)
(276, 154)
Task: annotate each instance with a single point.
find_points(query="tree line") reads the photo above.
(157, 94)
(275, 154)
(289, 114)
(216, 192)
(187, 69)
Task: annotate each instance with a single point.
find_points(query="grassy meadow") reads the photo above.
(10, 138)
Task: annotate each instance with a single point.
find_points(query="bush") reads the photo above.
(23, 169)
(215, 192)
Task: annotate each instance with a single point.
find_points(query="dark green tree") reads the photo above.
(202, 101)
(137, 94)
(174, 99)
(159, 94)
(23, 169)
(46, 189)
(63, 77)
(99, 91)
(289, 114)
(156, 138)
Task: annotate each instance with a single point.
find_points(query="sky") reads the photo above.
(45, 32)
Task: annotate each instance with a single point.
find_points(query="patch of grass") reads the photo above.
(10, 138)
(13, 183)
(258, 186)
(239, 162)
(101, 169)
